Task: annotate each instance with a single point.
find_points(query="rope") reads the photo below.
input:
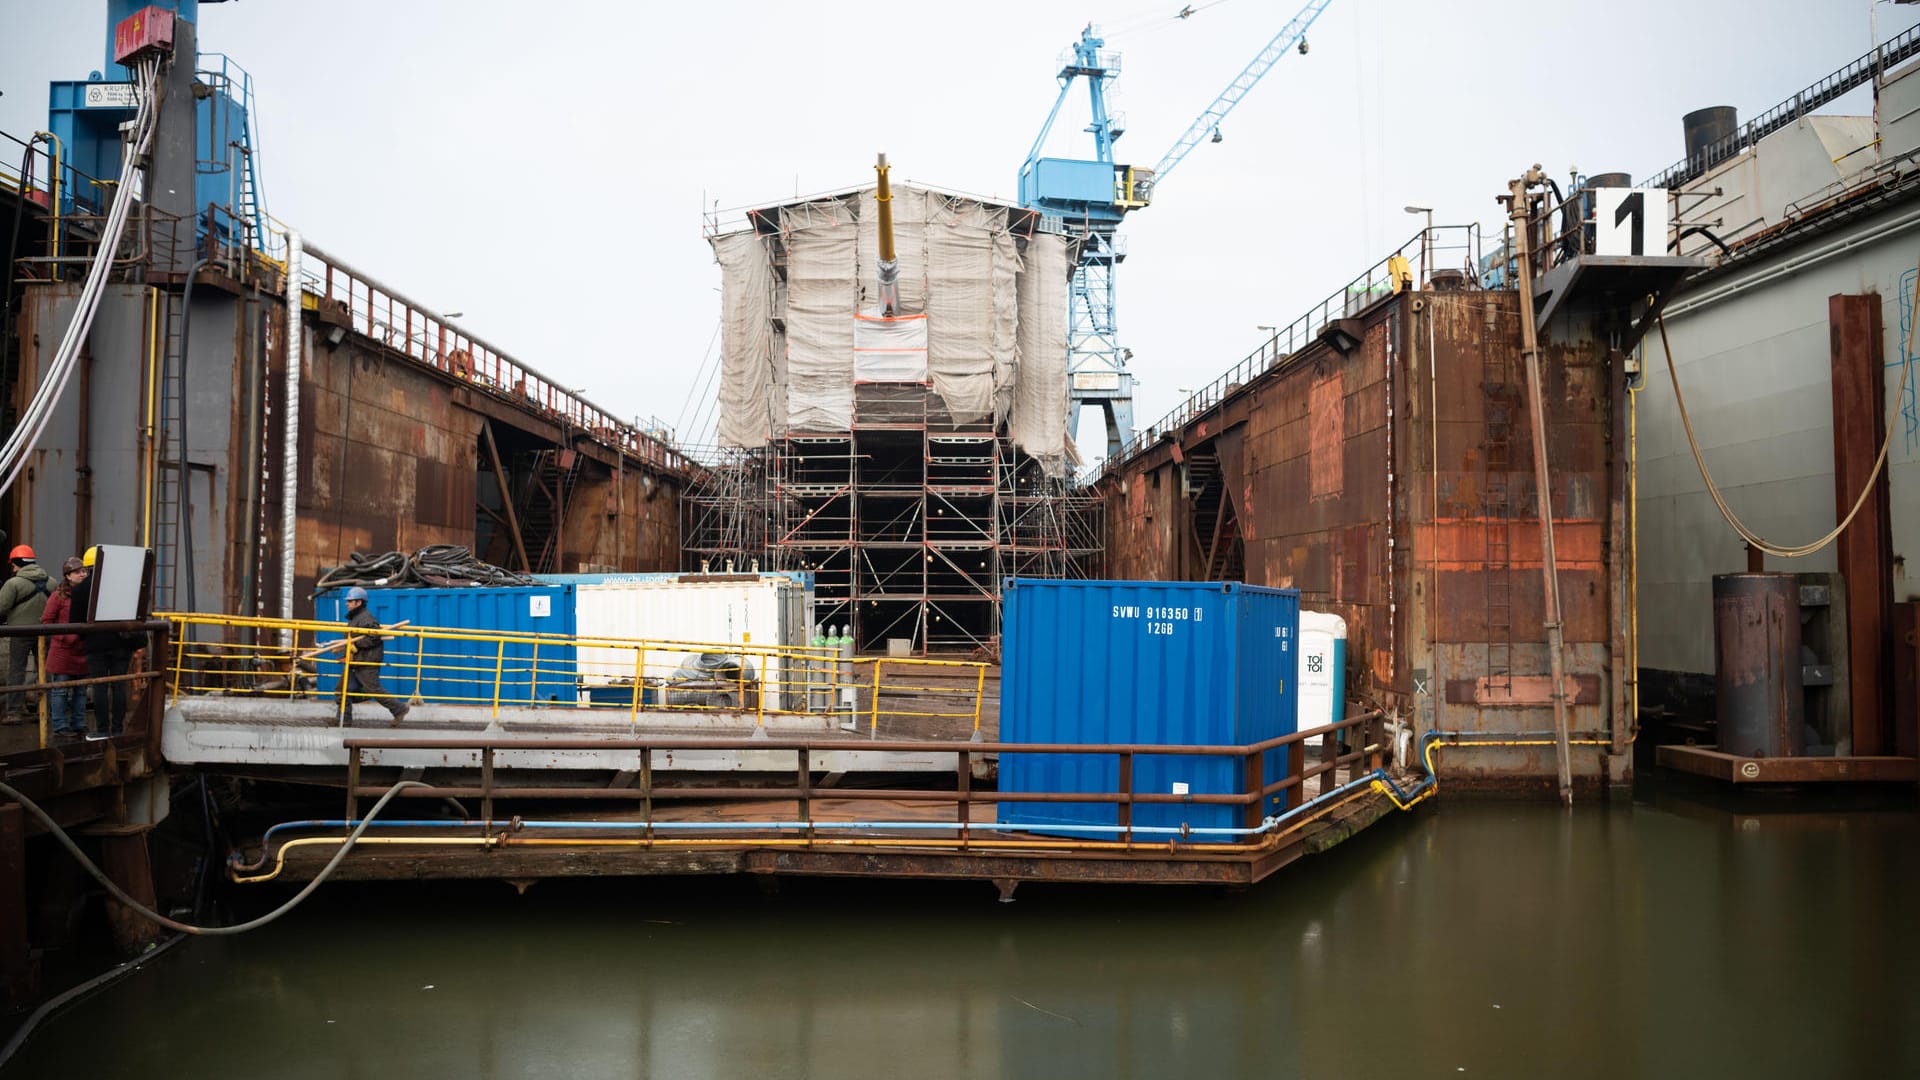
(188, 928)
(438, 566)
(1719, 500)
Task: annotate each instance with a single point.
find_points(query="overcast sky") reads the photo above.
(542, 167)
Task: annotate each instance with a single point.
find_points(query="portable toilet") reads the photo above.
(1323, 670)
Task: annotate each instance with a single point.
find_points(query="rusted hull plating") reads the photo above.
(1393, 484)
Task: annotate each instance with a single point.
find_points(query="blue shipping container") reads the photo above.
(1152, 662)
(462, 672)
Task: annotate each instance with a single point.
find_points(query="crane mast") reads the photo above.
(1092, 196)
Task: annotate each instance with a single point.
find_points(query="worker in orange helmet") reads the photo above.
(22, 600)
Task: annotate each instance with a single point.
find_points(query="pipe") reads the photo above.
(183, 468)
(1543, 479)
(1268, 830)
(83, 441)
(252, 453)
(290, 453)
(155, 917)
(889, 267)
(1800, 262)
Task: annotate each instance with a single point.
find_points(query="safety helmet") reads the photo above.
(73, 563)
(357, 593)
(21, 553)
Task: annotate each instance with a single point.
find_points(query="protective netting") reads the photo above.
(752, 373)
(1039, 412)
(435, 566)
(959, 266)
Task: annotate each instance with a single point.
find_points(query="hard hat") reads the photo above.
(357, 593)
(92, 555)
(73, 563)
(21, 553)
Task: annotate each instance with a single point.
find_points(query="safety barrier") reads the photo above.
(145, 689)
(243, 656)
(794, 818)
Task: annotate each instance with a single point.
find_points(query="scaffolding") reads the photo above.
(910, 522)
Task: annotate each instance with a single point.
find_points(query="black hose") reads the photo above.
(1703, 231)
(435, 566)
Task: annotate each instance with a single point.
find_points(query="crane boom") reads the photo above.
(1250, 76)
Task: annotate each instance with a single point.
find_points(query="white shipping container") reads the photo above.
(686, 613)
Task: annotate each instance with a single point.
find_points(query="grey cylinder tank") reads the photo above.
(1610, 180)
(1756, 646)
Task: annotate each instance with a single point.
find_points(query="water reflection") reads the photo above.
(1673, 939)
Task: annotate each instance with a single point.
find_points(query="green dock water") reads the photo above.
(1681, 938)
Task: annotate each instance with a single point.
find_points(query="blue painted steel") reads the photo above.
(804, 577)
(465, 668)
(1173, 663)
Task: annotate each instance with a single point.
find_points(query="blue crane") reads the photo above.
(1092, 196)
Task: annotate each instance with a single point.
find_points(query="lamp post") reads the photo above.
(1426, 239)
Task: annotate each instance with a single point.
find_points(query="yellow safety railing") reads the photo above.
(233, 655)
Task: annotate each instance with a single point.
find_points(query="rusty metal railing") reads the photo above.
(385, 315)
(1256, 787)
(141, 724)
(1441, 248)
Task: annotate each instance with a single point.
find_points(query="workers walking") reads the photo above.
(66, 655)
(365, 654)
(22, 600)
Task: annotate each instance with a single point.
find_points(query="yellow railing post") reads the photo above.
(293, 667)
(499, 666)
(760, 695)
(419, 667)
(179, 665)
(40, 676)
(875, 728)
(639, 682)
(979, 693)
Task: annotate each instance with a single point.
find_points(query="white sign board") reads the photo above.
(111, 96)
(1629, 221)
(539, 607)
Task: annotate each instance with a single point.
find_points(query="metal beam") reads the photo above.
(506, 494)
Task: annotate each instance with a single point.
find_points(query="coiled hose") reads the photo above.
(435, 566)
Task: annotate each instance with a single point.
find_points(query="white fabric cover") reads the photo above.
(889, 350)
(992, 341)
(746, 341)
(821, 298)
(1039, 417)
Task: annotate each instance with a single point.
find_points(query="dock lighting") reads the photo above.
(1426, 235)
(454, 315)
(1267, 329)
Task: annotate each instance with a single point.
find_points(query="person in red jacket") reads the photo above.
(66, 661)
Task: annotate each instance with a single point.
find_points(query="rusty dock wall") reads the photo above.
(409, 435)
(1392, 484)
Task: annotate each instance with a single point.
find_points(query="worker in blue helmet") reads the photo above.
(365, 654)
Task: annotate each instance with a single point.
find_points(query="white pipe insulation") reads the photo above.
(290, 464)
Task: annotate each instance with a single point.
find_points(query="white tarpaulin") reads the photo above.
(959, 270)
(1039, 419)
(821, 294)
(746, 341)
(889, 350)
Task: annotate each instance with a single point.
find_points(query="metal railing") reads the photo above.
(492, 670)
(385, 315)
(1440, 249)
(140, 725)
(794, 811)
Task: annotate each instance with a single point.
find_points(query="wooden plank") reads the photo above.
(1865, 550)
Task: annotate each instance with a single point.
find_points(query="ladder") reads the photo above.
(169, 471)
(1497, 512)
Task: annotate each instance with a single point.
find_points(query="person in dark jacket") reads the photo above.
(66, 660)
(22, 599)
(108, 652)
(365, 654)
